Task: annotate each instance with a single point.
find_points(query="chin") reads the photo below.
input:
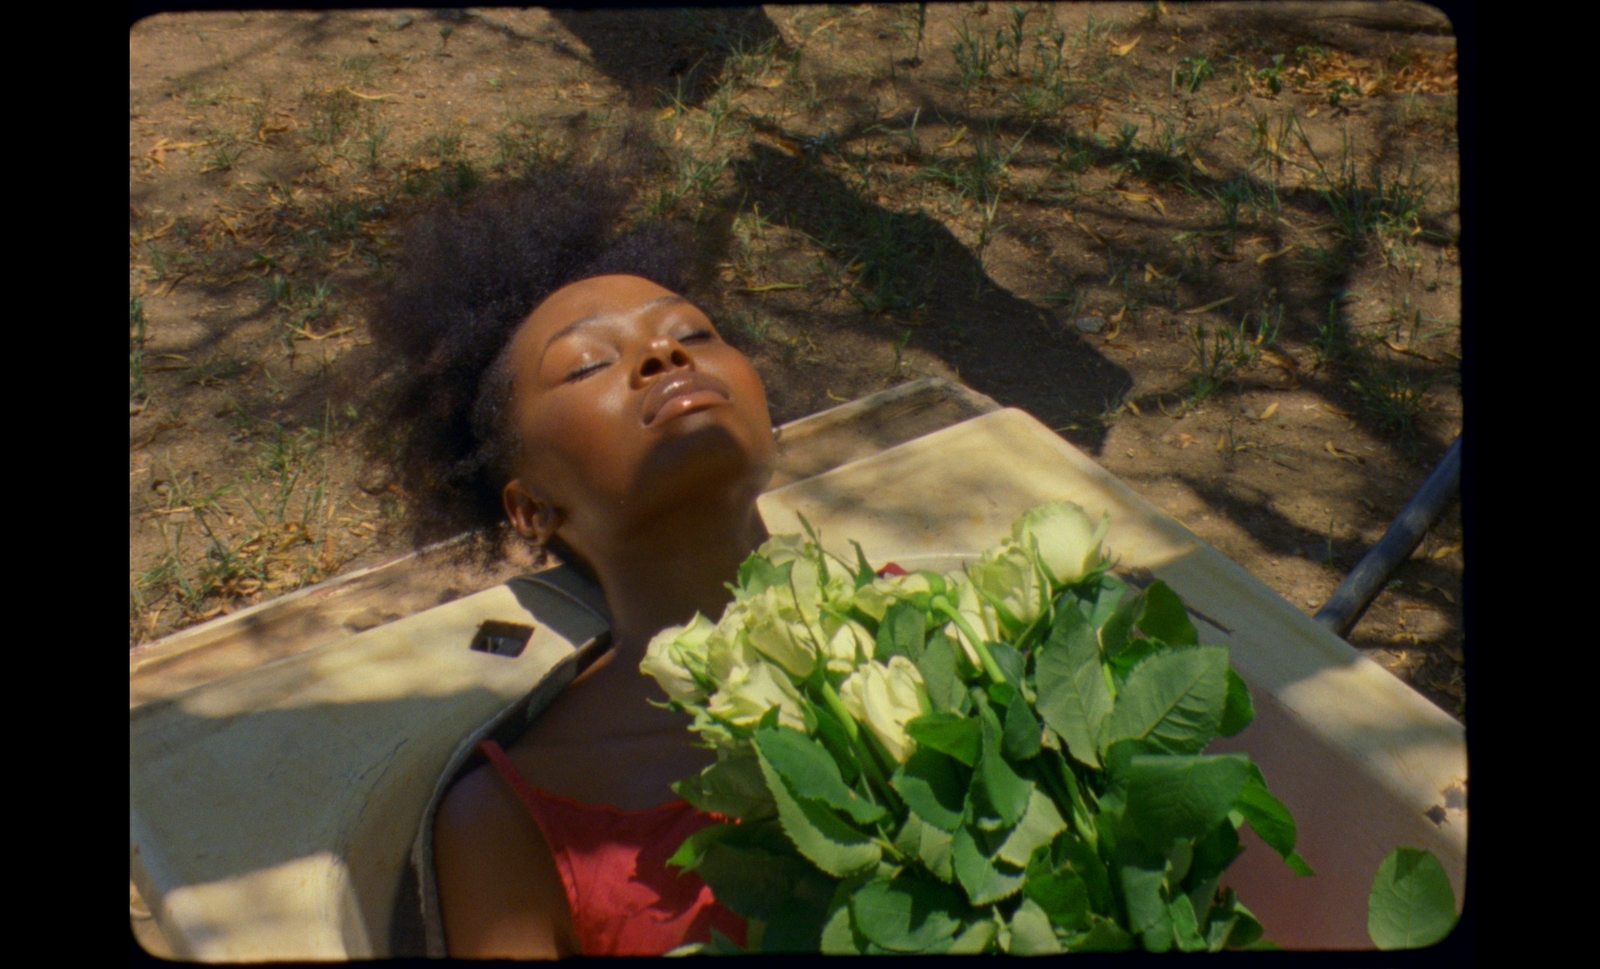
(700, 457)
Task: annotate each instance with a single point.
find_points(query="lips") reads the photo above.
(682, 394)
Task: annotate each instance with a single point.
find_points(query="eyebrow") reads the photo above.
(597, 318)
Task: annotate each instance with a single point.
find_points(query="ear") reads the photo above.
(532, 515)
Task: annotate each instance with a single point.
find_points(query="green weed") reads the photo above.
(911, 23)
(1391, 397)
(1190, 73)
(975, 56)
(1223, 352)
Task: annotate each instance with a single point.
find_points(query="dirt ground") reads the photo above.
(1213, 245)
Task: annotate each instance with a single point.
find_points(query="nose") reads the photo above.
(663, 354)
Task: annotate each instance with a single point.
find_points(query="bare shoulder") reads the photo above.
(500, 894)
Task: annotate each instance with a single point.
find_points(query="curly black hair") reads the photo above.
(469, 274)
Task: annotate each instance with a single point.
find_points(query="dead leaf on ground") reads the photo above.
(1088, 231)
(1116, 323)
(956, 137)
(1445, 552)
(1428, 587)
(1267, 257)
(1343, 455)
(1140, 197)
(1196, 311)
(1397, 348)
(1272, 408)
(1123, 50)
(1184, 440)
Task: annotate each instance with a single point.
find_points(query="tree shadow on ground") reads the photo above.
(910, 268)
(659, 54)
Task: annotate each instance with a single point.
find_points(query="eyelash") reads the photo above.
(585, 371)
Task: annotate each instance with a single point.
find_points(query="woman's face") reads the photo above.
(629, 405)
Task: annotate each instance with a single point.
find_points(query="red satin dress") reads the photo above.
(625, 900)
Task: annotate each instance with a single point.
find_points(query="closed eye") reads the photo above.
(698, 336)
(585, 371)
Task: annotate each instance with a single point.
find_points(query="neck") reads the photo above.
(662, 575)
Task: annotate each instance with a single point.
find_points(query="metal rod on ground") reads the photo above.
(1345, 607)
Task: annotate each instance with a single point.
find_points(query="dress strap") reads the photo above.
(508, 771)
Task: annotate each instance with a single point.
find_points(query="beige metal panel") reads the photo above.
(1357, 755)
(272, 812)
(333, 610)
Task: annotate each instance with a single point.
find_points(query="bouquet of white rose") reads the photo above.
(1008, 758)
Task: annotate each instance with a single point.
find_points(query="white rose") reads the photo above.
(1066, 540)
(884, 698)
(778, 634)
(1008, 575)
(753, 690)
(980, 616)
(673, 656)
(849, 646)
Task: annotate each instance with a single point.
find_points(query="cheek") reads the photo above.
(580, 443)
(741, 375)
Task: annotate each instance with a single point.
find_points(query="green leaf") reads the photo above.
(984, 881)
(1071, 853)
(1185, 926)
(901, 633)
(1006, 790)
(693, 850)
(1061, 892)
(818, 833)
(941, 676)
(1239, 710)
(751, 881)
(732, 788)
(1125, 661)
(834, 737)
(1104, 935)
(1031, 931)
(934, 851)
(812, 772)
(1171, 797)
(1247, 930)
(864, 573)
(906, 914)
(949, 733)
(1412, 904)
(1214, 853)
(974, 939)
(1173, 700)
(1020, 740)
(1117, 630)
(1165, 618)
(1220, 926)
(1270, 819)
(1099, 603)
(1010, 661)
(1073, 697)
(838, 935)
(1141, 889)
(1040, 824)
(757, 574)
(795, 927)
(1001, 694)
(935, 786)
(749, 866)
